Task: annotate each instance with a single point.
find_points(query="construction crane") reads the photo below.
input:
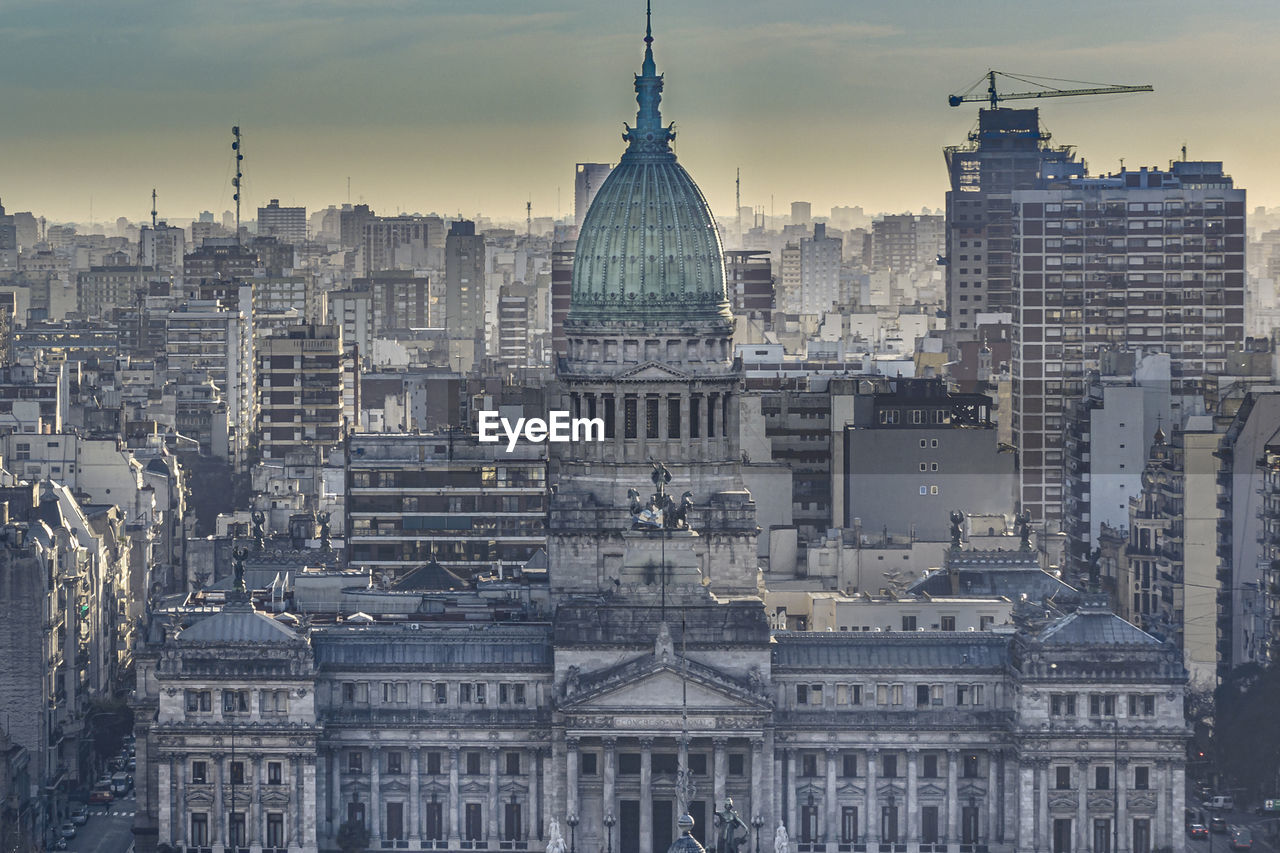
(994, 98)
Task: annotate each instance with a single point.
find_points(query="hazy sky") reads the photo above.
(478, 105)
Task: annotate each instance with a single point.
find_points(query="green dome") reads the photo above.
(648, 248)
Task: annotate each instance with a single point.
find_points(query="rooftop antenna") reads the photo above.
(1184, 152)
(237, 145)
(153, 208)
(348, 189)
(528, 219)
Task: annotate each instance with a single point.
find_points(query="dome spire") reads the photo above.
(648, 137)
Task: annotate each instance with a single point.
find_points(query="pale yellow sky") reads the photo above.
(426, 108)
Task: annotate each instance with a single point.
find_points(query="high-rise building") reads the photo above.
(286, 224)
(351, 223)
(395, 242)
(1007, 152)
(820, 258)
(1149, 258)
(400, 299)
(300, 381)
(515, 302)
(750, 281)
(587, 180)
(790, 290)
(561, 284)
(8, 241)
(161, 248)
(464, 280)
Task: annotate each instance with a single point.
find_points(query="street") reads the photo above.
(1221, 843)
(109, 830)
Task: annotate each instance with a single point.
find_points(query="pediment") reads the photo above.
(664, 686)
(275, 798)
(652, 370)
(929, 789)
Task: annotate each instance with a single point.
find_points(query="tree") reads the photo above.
(352, 837)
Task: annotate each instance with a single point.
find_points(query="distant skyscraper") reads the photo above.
(819, 271)
(299, 387)
(395, 242)
(287, 224)
(1151, 259)
(463, 280)
(161, 248)
(1007, 152)
(587, 179)
(8, 242)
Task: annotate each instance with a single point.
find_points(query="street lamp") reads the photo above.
(609, 821)
(757, 822)
(572, 820)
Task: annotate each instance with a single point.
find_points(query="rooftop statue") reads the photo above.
(661, 512)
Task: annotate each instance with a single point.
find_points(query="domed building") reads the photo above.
(649, 353)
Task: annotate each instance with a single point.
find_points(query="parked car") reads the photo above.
(101, 795)
(132, 765)
(80, 815)
(1218, 825)
(1241, 838)
(67, 830)
(1225, 803)
(1198, 830)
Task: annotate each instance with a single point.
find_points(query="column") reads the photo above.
(454, 806)
(833, 811)
(873, 812)
(178, 823)
(1083, 842)
(757, 781)
(1121, 786)
(336, 817)
(953, 782)
(610, 776)
(295, 771)
(415, 798)
(219, 816)
(572, 763)
(375, 795)
(791, 792)
(164, 822)
(910, 808)
(646, 794)
(534, 830)
(1178, 792)
(308, 797)
(1044, 838)
(491, 832)
(255, 807)
(720, 764)
(1026, 806)
(993, 796)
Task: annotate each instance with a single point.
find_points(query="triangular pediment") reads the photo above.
(651, 370)
(647, 684)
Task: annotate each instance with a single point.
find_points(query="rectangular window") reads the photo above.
(930, 768)
(199, 829)
(433, 764)
(929, 825)
(808, 765)
(908, 623)
(1142, 705)
(199, 773)
(587, 765)
(849, 824)
(511, 822)
(629, 417)
(889, 766)
(274, 773)
(199, 701)
(970, 766)
(651, 417)
(512, 764)
(948, 623)
(1102, 705)
(1141, 778)
(394, 762)
(1062, 705)
(435, 820)
(237, 773)
(474, 829)
(673, 417)
(235, 701)
(609, 418)
(394, 829)
(355, 762)
(275, 829)
(473, 764)
(1062, 777)
(629, 763)
(849, 765)
(1102, 778)
(737, 764)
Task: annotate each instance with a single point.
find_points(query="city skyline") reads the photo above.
(364, 92)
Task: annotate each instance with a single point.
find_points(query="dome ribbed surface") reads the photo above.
(648, 247)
